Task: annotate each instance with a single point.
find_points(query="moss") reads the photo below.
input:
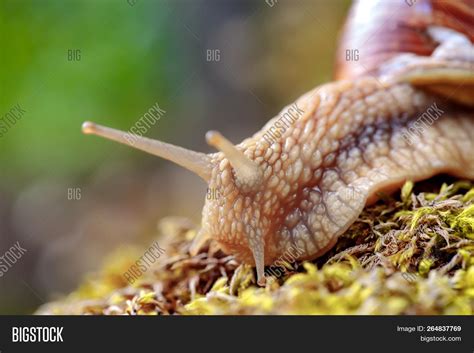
(411, 254)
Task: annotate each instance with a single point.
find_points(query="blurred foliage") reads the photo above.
(124, 50)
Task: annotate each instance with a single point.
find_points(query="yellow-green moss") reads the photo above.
(406, 255)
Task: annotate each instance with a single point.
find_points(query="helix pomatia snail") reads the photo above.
(307, 174)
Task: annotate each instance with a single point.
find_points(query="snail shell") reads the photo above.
(380, 30)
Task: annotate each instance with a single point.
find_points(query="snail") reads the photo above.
(404, 111)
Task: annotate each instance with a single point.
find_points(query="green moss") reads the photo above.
(411, 254)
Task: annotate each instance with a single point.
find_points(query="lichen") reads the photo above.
(410, 253)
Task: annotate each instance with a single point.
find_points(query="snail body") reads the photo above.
(305, 177)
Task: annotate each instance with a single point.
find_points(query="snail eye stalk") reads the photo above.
(196, 162)
(247, 172)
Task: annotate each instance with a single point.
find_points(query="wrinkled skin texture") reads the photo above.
(350, 143)
(351, 139)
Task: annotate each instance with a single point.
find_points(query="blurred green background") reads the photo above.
(133, 54)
